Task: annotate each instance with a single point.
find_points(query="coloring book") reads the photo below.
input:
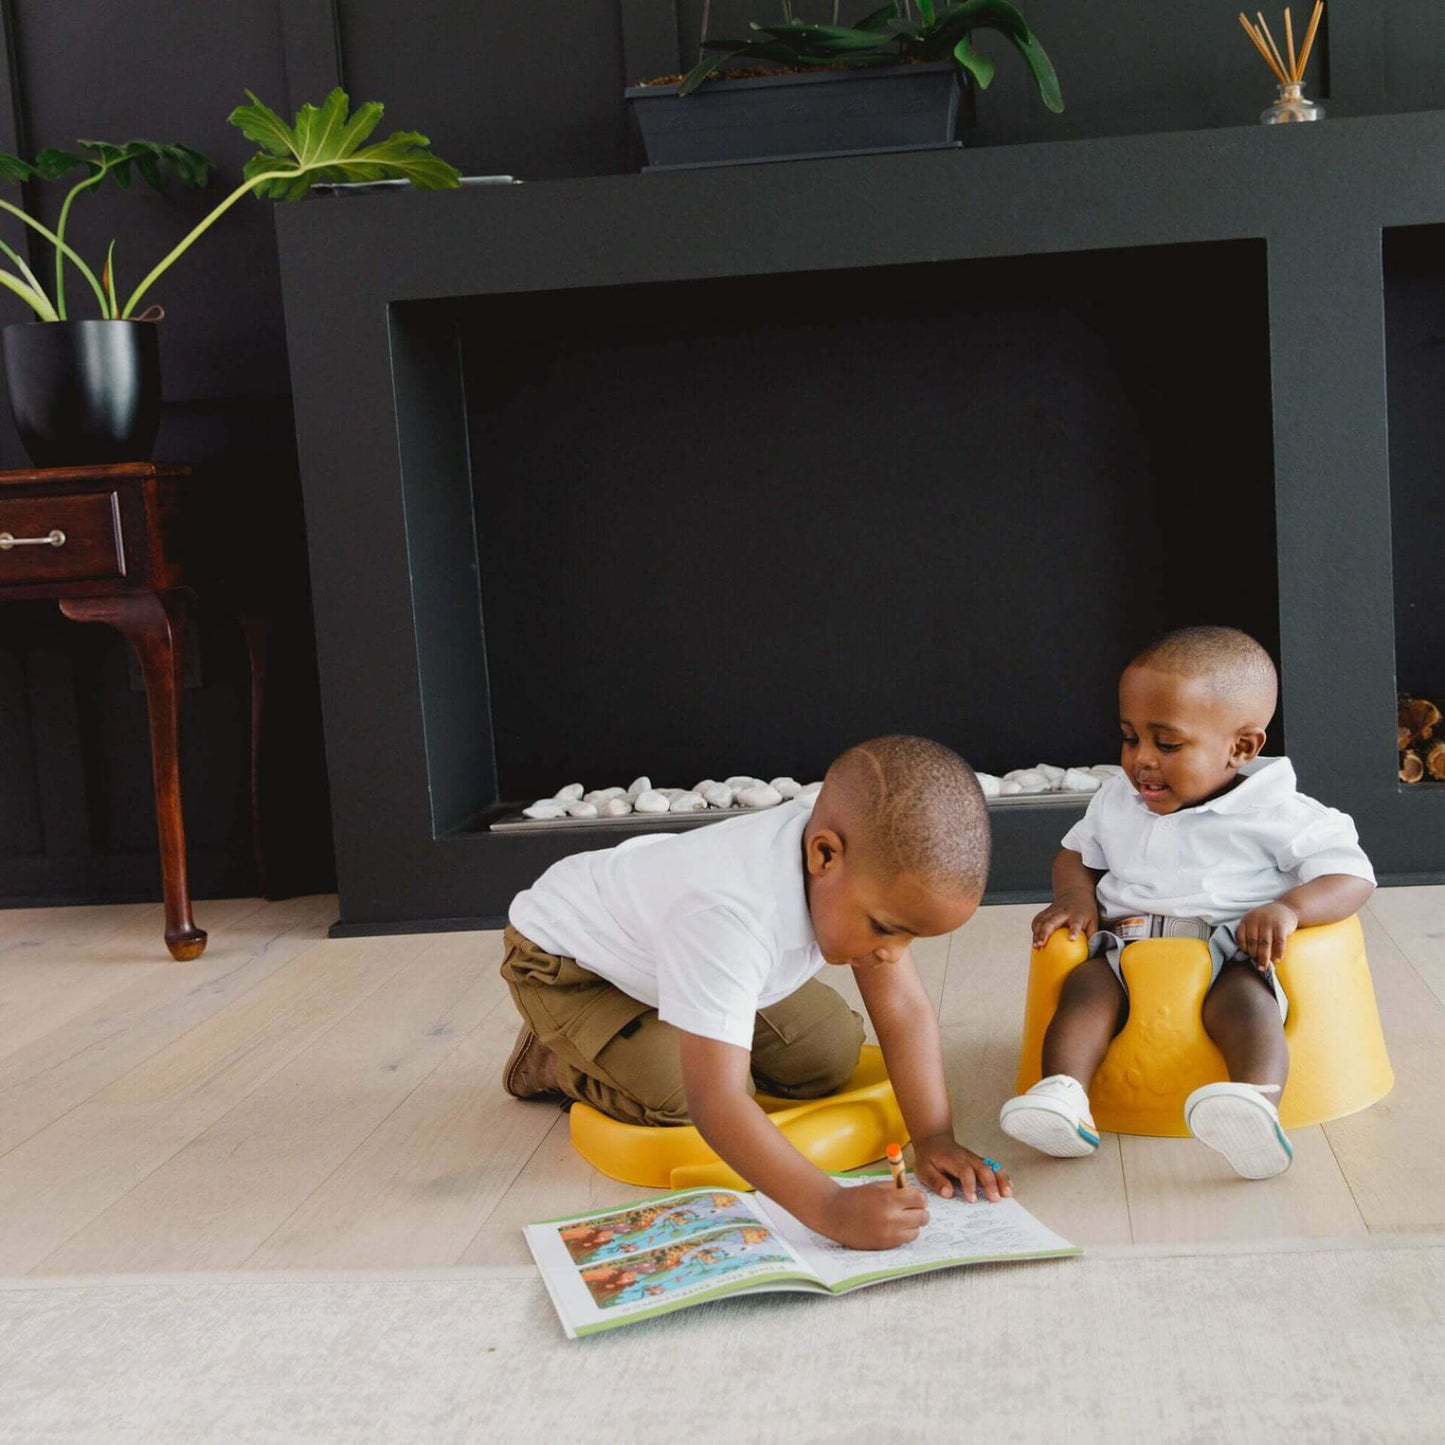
(615, 1266)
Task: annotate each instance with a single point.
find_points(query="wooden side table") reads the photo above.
(101, 540)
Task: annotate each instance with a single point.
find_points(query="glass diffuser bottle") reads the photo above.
(1292, 105)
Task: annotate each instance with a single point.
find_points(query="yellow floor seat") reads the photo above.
(1338, 1062)
(837, 1132)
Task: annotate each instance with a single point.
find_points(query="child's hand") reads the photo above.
(1076, 917)
(944, 1165)
(874, 1216)
(1262, 933)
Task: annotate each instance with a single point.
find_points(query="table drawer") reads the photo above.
(60, 539)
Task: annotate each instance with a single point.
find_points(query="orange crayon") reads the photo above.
(895, 1163)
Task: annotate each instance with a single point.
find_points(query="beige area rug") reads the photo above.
(1309, 1344)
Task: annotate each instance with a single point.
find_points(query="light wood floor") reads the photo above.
(289, 1102)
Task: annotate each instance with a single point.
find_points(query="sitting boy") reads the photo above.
(1201, 837)
(664, 979)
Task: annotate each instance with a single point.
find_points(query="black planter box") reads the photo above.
(793, 117)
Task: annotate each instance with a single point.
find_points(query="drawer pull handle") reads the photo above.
(54, 538)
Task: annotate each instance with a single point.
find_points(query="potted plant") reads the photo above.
(86, 391)
(897, 79)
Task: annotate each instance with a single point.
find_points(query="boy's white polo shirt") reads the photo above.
(707, 926)
(1217, 860)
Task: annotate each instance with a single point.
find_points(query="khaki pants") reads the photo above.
(614, 1053)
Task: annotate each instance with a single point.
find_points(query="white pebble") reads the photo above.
(703, 786)
(988, 784)
(570, 793)
(717, 795)
(546, 808)
(763, 796)
(687, 803)
(1007, 788)
(614, 807)
(1104, 771)
(650, 801)
(1028, 779)
(639, 787)
(670, 793)
(581, 809)
(810, 790)
(786, 787)
(742, 780)
(604, 795)
(1053, 774)
(1076, 780)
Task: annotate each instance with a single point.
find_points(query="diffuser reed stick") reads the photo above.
(1304, 54)
(1291, 104)
(1290, 72)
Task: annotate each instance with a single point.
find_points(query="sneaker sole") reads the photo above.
(1050, 1130)
(1244, 1131)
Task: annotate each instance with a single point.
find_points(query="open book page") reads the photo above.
(614, 1266)
(957, 1233)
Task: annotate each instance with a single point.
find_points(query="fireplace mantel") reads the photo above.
(380, 289)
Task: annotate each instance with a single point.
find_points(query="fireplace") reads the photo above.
(719, 472)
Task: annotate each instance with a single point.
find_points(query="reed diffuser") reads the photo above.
(1288, 67)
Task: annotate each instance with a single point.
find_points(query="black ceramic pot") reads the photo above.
(797, 117)
(84, 393)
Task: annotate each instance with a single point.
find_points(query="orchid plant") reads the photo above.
(327, 143)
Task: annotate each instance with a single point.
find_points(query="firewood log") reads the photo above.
(1412, 766)
(1435, 759)
(1418, 714)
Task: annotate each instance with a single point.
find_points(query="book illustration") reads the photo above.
(651, 1226)
(701, 1259)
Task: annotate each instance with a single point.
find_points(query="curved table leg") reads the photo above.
(154, 625)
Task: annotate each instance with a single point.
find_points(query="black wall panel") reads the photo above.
(503, 87)
(498, 89)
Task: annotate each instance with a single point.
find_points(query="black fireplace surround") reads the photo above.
(718, 471)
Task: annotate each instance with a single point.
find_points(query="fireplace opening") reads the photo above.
(733, 525)
(1414, 265)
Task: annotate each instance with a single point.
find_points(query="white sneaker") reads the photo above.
(1243, 1125)
(1053, 1117)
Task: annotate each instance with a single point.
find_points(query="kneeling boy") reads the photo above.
(664, 979)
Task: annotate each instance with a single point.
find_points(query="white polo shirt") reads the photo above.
(1217, 860)
(707, 926)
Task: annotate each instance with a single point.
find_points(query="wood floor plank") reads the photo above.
(1393, 1154)
(216, 1200)
(243, 1111)
(60, 1069)
(988, 969)
(556, 1181)
(75, 925)
(1415, 920)
(58, 1180)
(416, 1191)
(1181, 1190)
(45, 982)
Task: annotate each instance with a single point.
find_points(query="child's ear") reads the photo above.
(824, 851)
(1248, 743)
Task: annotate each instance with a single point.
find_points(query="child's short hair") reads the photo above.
(922, 809)
(1238, 668)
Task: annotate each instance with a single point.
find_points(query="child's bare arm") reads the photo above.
(1075, 904)
(902, 1012)
(715, 1076)
(1263, 932)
